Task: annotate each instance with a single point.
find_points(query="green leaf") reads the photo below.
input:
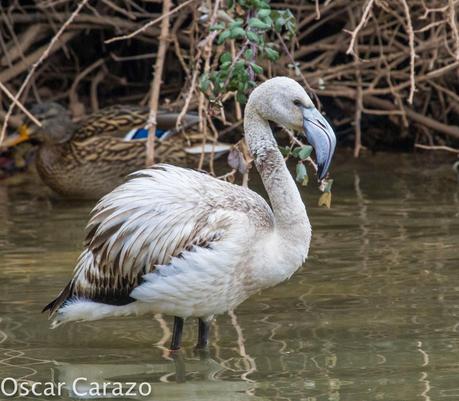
(296, 152)
(224, 66)
(217, 27)
(248, 54)
(291, 27)
(226, 57)
(301, 172)
(279, 23)
(259, 4)
(242, 86)
(263, 13)
(241, 98)
(237, 33)
(252, 36)
(328, 185)
(239, 66)
(258, 24)
(256, 68)
(272, 54)
(268, 21)
(223, 36)
(237, 22)
(204, 82)
(285, 150)
(305, 152)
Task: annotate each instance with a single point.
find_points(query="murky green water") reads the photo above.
(373, 315)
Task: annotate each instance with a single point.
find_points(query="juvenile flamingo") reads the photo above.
(176, 241)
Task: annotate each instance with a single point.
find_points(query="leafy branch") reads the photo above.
(301, 152)
(249, 26)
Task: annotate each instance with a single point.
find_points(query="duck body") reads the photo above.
(90, 168)
(88, 159)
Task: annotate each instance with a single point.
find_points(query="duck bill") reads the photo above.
(22, 135)
(322, 138)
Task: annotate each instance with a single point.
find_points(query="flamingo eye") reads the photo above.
(297, 102)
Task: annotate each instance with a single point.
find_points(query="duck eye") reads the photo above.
(297, 102)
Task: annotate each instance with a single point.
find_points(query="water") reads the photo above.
(373, 314)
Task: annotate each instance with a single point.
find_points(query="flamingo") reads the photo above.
(176, 241)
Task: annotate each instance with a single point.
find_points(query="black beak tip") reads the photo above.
(321, 173)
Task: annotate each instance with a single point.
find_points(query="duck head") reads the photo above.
(57, 126)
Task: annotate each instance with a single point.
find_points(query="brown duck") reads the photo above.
(88, 159)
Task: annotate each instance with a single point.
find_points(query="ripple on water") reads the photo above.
(372, 315)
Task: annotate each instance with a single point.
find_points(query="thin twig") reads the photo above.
(363, 21)
(409, 28)
(20, 105)
(297, 70)
(437, 147)
(453, 24)
(35, 65)
(149, 24)
(156, 83)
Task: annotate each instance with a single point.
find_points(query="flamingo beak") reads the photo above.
(22, 135)
(322, 138)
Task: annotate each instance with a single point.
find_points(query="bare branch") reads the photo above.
(156, 83)
(35, 65)
(149, 24)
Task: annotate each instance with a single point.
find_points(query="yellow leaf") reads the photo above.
(325, 199)
(305, 181)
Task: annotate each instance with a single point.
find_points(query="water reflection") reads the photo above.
(373, 314)
(191, 379)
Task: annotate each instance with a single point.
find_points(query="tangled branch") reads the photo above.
(388, 74)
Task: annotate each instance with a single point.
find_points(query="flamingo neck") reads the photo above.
(287, 205)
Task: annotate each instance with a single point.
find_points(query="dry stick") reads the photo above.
(452, 17)
(19, 104)
(174, 39)
(297, 70)
(151, 23)
(156, 83)
(33, 34)
(359, 97)
(206, 46)
(35, 66)
(14, 121)
(178, 123)
(409, 28)
(449, 130)
(73, 94)
(196, 71)
(363, 21)
(85, 21)
(358, 109)
(317, 9)
(23, 64)
(93, 90)
(119, 9)
(433, 147)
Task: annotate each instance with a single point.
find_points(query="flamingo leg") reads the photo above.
(177, 333)
(203, 334)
